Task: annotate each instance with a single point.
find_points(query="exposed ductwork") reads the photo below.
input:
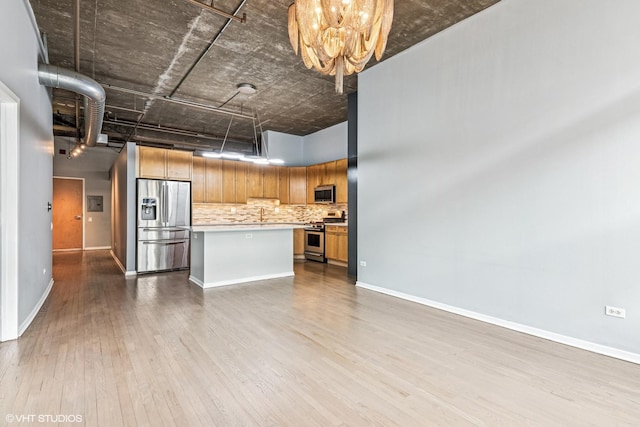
(94, 96)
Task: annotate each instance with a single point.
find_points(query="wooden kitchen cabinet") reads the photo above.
(314, 174)
(341, 179)
(159, 163)
(297, 185)
(213, 180)
(241, 182)
(283, 185)
(337, 243)
(328, 173)
(255, 181)
(298, 242)
(270, 182)
(198, 180)
(152, 162)
(179, 165)
(228, 182)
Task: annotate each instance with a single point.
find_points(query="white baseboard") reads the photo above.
(124, 270)
(541, 333)
(240, 280)
(97, 248)
(24, 325)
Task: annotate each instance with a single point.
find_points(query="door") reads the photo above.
(68, 214)
(177, 202)
(149, 203)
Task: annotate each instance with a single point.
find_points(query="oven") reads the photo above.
(314, 244)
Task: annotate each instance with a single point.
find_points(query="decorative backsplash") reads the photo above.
(221, 213)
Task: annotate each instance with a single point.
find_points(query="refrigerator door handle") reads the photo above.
(178, 242)
(165, 203)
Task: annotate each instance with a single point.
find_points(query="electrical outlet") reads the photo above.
(363, 263)
(44, 271)
(248, 236)
(615, 311)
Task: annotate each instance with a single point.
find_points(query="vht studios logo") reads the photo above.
(43, 418)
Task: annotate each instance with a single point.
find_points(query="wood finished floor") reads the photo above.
(306, 351)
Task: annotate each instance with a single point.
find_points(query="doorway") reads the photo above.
(68, 214)
(9, 169)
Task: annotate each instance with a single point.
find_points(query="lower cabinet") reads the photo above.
(337, 243)
(298, 242)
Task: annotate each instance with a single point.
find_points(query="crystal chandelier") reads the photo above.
(338, 37)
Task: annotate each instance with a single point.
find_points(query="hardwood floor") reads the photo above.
(312, 350)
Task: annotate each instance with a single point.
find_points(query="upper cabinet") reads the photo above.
(341, 181)
(198, 180)
(159, 163)
(329, 173)
(297, 185)
(228, 181)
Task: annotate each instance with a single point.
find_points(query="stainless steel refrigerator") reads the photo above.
(164, 220)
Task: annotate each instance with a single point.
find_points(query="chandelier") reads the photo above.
(338, 37)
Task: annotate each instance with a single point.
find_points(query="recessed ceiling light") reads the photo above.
(247, 88)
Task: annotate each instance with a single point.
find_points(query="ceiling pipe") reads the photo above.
(172, 131)
(220, 12)
(178, 101)
(76, 58)
(211, 43)
(94, 96)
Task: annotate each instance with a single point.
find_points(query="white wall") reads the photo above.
(499, 168)
(18, 71)
(93, 165)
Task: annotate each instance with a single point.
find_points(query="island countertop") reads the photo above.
(227, 254)
(257, 226)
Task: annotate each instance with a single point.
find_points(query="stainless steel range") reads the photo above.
(314, 237)
(314, 242)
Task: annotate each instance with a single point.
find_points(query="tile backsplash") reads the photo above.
(221, 213)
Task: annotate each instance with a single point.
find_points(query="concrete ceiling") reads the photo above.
(149, 47)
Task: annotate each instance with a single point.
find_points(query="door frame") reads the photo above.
(9, 218)
(84, 208)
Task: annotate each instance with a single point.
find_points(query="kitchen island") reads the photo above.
(227, 254)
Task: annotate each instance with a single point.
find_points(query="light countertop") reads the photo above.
(246, 226)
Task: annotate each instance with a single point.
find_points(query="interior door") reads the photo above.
(67, 214)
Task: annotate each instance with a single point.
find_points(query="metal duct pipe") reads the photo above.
(94, 96)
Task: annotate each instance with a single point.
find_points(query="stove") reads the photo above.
(314, 236)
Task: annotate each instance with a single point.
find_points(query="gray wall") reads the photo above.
(506, 148)
(18, 71)
(286, 147)
(319, 147)
(326, 145)
(93, 165)
(123, 193)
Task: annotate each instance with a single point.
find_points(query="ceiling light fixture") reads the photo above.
(247, 88)
(262, 154)
(338, 37)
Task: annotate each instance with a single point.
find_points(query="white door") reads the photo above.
(9, 126)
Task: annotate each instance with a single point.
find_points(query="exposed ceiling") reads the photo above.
(139, 48)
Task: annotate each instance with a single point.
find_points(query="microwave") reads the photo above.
(324, 194)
